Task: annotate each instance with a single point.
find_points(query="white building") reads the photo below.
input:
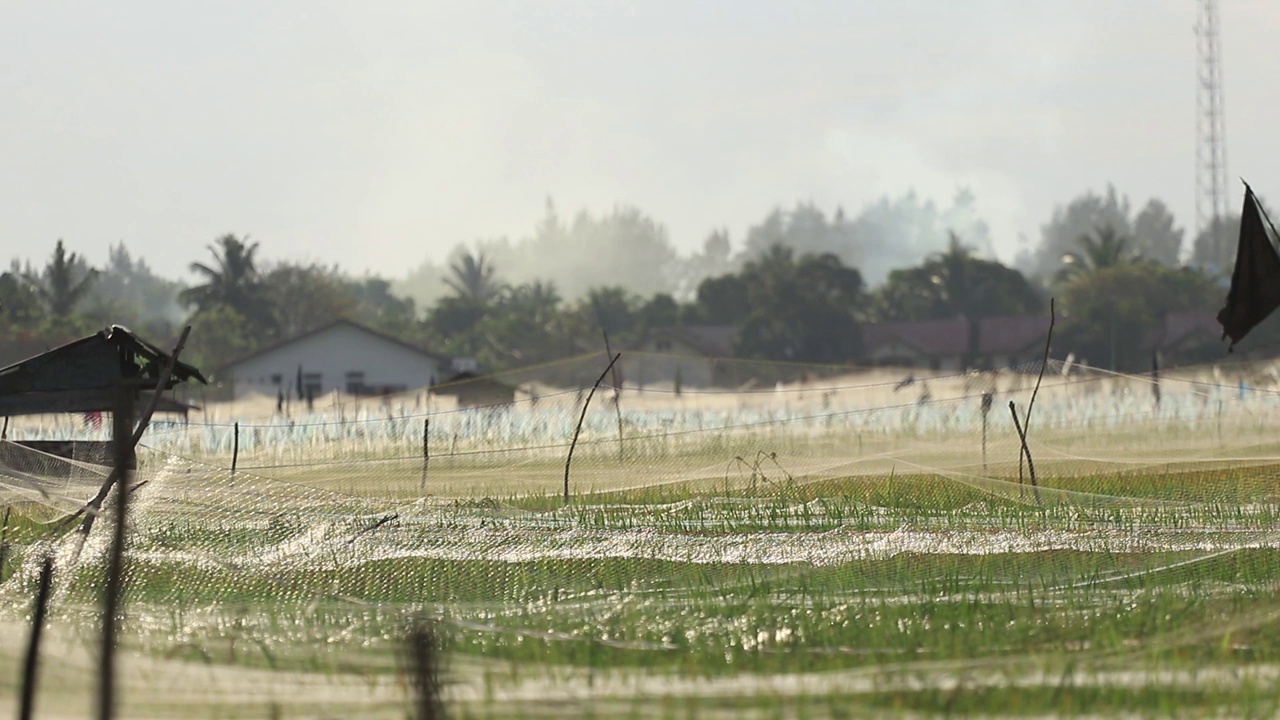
(344, 356)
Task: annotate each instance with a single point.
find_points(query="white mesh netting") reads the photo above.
(846, 545)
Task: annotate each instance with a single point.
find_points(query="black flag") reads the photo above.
(1255, 284)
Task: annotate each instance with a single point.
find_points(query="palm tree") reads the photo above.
(1105, 248)
(538, 299)
(473, 278)
(950, 276)
(232, 280)
(62, 283)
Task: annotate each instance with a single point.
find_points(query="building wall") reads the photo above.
(896, 354)
(327, 358)
(653, 366)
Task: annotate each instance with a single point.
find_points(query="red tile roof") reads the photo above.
(1180, 327)
(929, 337)
(1010, 335)
(996, 335)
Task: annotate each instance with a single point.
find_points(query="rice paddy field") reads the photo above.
(852, 546)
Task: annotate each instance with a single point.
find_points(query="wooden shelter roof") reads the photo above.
(82, 375)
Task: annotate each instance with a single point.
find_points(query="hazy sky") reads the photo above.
(376, 134)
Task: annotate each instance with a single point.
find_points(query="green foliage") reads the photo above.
(60, 287)
(800, 310)
(20, 307)
(128, 293)
(219, 335)
(612, 309)
(302, 297)
(1103, 248)
(955, 283)
(1112, 313)
(473, 277)
(721, 301)
(792, 292)
(451, 324)
(378, 306)
(524, 326)
(232, 281)
(1214, 248)
(1061, 235)
(661, 310)
(1155, 235)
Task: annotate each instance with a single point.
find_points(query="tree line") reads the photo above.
(799, 287)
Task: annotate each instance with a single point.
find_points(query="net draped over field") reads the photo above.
(852, 539)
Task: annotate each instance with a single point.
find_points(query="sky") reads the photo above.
(380, 134)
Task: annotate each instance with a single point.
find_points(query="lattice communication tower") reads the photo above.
(1211, 143)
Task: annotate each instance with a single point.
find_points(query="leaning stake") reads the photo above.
(582, 417)
(1031, 467)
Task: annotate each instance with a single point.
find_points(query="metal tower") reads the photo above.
(1211, 142)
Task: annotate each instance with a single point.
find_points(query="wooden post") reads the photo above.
(424, 656)
(235, 447)
(122, 420)
(1026, 451)
(987, 398)
(426, 451)
(617, 397)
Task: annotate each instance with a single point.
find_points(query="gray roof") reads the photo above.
(710, 340)
(329, 326)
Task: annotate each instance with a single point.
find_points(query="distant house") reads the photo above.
(1190, 336)
(691, 355)
(342, 355)
(949, 344)
(472, 390)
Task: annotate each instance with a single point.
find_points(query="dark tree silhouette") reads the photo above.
(1105, 248)
(472, 277)
(232, 281)
(63, 282)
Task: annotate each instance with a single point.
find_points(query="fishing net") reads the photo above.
(815, 541)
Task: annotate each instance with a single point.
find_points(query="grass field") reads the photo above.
(780, 561)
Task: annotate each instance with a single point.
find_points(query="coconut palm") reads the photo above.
(232, 280)
(951, 274)
(473, 278)
(1105, 248)
(63, 282)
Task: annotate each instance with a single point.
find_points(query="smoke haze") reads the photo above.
(382, 136)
